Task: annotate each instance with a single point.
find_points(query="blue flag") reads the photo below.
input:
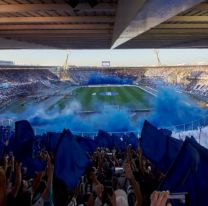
(189, 173)
(70, 160)
(117, 142)
(23, 142)
(104, 139)
(53, 139)
(32, 166)
(87, 144)
(132, 140)
(23, 148)
(159, 148)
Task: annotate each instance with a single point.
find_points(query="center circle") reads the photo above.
(108, 93)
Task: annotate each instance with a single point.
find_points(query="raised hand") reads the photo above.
(128, 171)
(159, 198)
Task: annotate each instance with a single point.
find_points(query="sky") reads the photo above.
(134, 57)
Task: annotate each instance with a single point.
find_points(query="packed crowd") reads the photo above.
(25, 75)
(69, 170)
(191, 80)
(109, 181)
(108, 76)
(18, 90)
(80, 77)
(111, 177)
(23, 82)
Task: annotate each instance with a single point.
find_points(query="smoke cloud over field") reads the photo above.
(100, 78)
(174, 108)
(170, 108)
(109, 119)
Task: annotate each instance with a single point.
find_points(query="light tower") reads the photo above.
(64, 74)
(158, 57)
(65, 67)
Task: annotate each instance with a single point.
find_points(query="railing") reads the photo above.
(7, 122)
(196, 125)
(189, 126)
(39, 131)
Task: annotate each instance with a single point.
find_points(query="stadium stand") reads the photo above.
(111, 170)
(23, 82)
(26, 75)
(191, 80)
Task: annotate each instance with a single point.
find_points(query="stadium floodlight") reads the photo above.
(92, 3)
(72, 3)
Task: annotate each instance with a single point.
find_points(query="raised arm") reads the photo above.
(135, 185)
(50, 177)
(18, 179)
(2, 187)
(37, 180)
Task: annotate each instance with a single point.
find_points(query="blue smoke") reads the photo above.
(170, 108)
(110, 119)
(100, 78)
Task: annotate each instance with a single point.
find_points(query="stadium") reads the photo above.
(103, 135)
(81, 93)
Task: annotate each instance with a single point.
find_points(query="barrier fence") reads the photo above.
(196, 125)
(7, 122)
(193, 125)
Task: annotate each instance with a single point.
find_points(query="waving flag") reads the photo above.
(118, 142)
(189, 173)
(87, 144)
(23, 142)
(159, 148)
(70, 160)
(23, 148)
(132, 140)
(1, 149)
(53, 139)
(103, 139)
(32, 166)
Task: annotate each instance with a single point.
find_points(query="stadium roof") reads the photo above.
(37, 24)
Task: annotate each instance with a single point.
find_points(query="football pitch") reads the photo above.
(95, 97)
(89, 98)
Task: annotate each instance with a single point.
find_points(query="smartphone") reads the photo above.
(179, 197)
(119, 170)
(109, 154)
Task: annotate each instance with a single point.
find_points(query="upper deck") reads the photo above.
(55, 24)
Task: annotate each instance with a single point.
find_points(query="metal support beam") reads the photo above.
(57, 33)
(126, 11)
(179, 31)
(182, 26)
(6, 43)
(57, 27)
(189, 19)
(152, 13)
(11, 8)
(57, 19)
(202, 7)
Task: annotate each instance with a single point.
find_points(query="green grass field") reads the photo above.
(89, 98)
(131, 97)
